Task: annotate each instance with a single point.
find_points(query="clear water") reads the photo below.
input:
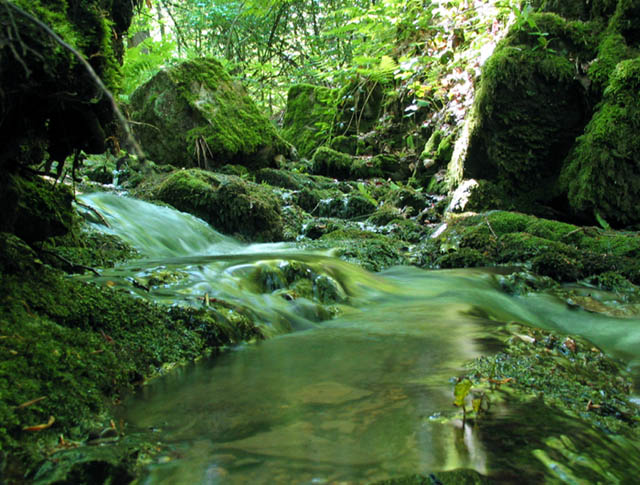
(353, 399)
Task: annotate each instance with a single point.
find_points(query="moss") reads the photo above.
(229, 203)
(611, 51)
(33, 208)
(278, 178)
(530, 111)
(606, 155)
(331, 163)
(78, 346)
(625, 21)
(462, 258)
(309, 117)
(550, 248)
(449, 477)
(345, 144)
(202, 113)
(58, 123)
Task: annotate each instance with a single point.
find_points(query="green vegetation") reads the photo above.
(204, 119)
(342, 125)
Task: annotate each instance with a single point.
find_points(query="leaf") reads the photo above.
(604, 224)
(461, 391)
(475, 404)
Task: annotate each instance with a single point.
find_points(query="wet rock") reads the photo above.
(34, 209)
(229, 203)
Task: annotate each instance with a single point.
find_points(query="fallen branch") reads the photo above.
(94, 210)
(121, 119)
(72, 265)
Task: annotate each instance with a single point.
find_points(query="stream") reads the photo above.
(358, 398)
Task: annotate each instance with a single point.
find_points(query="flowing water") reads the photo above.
(352, 399)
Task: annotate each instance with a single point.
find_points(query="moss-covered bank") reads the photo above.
(69, 349)
(562, 251)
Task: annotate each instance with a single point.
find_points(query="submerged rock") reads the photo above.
(195, 115)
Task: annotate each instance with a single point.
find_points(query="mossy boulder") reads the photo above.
(309, 117)
(195, 115)
(331, 163)
(71, 348)
(602, 174)
(229, 203)
(49, 103)
(577, 9)
(528, 111)
(34, 209)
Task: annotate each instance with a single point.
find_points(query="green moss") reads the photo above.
(611, 51)
(78, 346)
(606, 155)
(309, 117)
(529, 113)
(58, 123)
(33, 208)
(229, 203)
(202, 113)
(550, 248)
(331, 163)
(345, 144)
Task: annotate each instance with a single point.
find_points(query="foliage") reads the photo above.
(272, 44)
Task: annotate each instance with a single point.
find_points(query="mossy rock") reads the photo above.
(309, 117)
(34, 209)
(602, 175)
(528, 111)
(230, 204)
(195, 115)
(37, 75)
(577, 9)
(77, 346)
(345, 144)
(331, 163)
(278, 178)
(559, 250)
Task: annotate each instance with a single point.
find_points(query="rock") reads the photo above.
(229, 203)
(309, 116)
(195, 115)
(34, 209)
(528, 111)
(602, 175)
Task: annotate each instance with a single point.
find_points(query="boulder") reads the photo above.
(229, 203)
(195, 115)
(309, 117)
(529, 109)
(602, 175)
(34, 209)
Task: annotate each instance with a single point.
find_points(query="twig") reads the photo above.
(94, 210)
(123, 121)
(486, 219)
(71, 265)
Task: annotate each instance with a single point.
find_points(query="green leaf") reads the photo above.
(604, 224)
(461, 391)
